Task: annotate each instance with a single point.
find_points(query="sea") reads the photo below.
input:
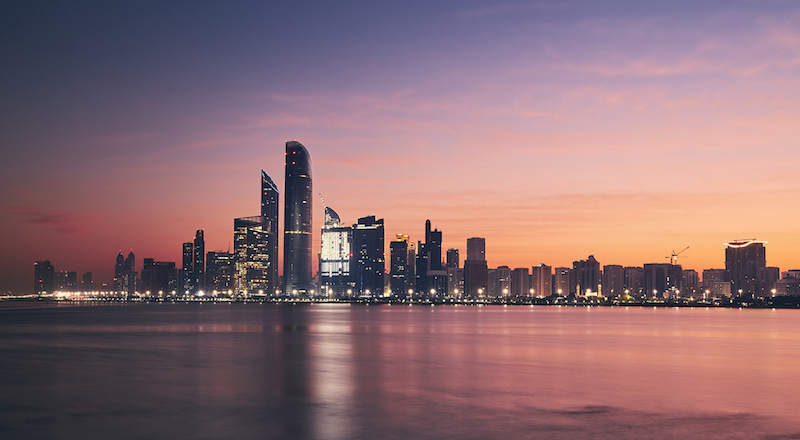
(388, 371)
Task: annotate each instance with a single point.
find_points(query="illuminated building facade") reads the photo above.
(745, 260)
(368, 256)
(334, 256)
(251, 244)
(297, 221)
(269, 213)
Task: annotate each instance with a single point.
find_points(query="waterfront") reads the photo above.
(198, 370)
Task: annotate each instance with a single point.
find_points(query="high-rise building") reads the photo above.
(369, 263)
(269, 214)
(43, 277)
(585, 277)
(476, 271)
(542, 280)
(251, 244)
(613, 280)
(199, 264)
(119, 273)
(159, 278)
(219, 273)
(88, 285)
(297, 221)
(334, 256)
(187, 283)
(500, 282)
(452, 258)
(744, 259)
(398, 266)
(561, 281)
(129, 283)
(633, 283)
(520, 282)
(662, 279)
(476, 248)
(429, 275)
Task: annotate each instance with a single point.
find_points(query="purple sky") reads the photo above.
(554, 129)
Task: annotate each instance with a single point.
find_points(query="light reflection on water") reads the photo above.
(352, 371)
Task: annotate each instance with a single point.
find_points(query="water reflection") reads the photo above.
(353, 371)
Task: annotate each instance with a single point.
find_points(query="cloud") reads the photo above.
(61, 221)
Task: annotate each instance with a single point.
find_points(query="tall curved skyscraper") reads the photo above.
(297, 221)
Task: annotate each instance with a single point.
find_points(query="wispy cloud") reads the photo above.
(58, 220)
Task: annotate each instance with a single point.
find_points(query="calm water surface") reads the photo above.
(338, 371)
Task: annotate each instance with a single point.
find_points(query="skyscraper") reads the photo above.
(452, 257)
(297, 221)
(585, 277)
(199, 263)
(368, 256)
(476, 248)
(251, 256)
(269, 214)
(187, 284)
(476, 271)
(398, 266)
(44, 277)
(542, 280)
(744, 261)
(334, 256)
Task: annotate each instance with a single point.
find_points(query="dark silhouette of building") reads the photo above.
(125, 274)
(662, 280)
(88, 285)
(43, 277)
(251, 245)
(633, 283)
(269, 213)
(119, 273)
(744, 262)
(219, 273)
(199, 265)
(368, 256)
(399, 266)
(187, 283)
(613, 280)
(297, 221)
(476, 248)
(476, 271)
(159, 278)
(585, 277)
(335, 256)
(429, 258)
(452, 258)
(520, 282)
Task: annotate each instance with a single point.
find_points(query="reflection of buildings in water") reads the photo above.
(332, 374)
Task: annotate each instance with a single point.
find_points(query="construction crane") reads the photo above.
(674, 257)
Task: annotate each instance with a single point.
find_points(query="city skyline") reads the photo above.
(625, 130)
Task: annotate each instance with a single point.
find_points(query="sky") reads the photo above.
(554, 129)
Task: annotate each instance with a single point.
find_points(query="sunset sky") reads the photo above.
(556, 130)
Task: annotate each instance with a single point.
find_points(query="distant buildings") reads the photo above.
(368, 256)
(745, 261)
(476, 271)
(44, 277)
(399, 267)
(269, 215)
(585, 277)
(541, 280)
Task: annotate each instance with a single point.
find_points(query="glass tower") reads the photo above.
(297, 221)
(269, 214)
